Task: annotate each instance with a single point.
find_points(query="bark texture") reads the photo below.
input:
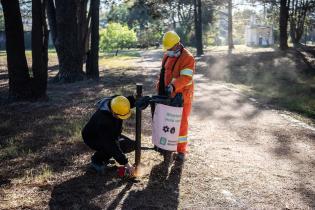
(19, 79)
(39, 49)
(283, 24)
(92, 69)
(230, 26)
(66, 21)
(198, 26)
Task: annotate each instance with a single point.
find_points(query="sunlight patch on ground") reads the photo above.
(118, 62)
(38, 175)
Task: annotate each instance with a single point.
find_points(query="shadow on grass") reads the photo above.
(276, 78)
(31, 140)
(162, 191)
(82, 192)
(50, 132)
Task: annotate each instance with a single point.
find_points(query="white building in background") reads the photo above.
(221, 39)
(257, 34)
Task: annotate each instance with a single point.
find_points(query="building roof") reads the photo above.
(258, 26)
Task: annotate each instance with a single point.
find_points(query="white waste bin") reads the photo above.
(165, 126)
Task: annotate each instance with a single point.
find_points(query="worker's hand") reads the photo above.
(169, 89)
(130, 169)
(143, 102)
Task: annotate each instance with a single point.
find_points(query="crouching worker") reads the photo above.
(102, 133)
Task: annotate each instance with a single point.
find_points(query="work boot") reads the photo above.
(168, 157)
(111, 162)
(181, 156)
(98, 165)
(99, 168)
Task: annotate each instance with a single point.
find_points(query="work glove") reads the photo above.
(126, 171)
(143, 102)
(177, 101)
(169, 89)
(130, 170)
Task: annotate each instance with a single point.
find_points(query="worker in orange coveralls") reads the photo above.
(176, 76)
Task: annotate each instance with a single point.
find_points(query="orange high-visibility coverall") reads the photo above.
(181, 76)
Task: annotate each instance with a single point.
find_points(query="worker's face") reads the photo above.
(121, 117)
(115, 115)
(174, 51)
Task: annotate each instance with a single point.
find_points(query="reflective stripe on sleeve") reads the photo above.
(182, 139)
(187, 72)
(190, 83)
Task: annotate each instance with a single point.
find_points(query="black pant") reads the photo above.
(102, 157)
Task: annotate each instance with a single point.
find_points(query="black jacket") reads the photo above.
(102, 131)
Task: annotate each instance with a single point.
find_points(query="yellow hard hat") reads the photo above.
(120, 107)
(170, 39)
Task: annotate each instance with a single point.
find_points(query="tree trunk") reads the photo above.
(198, 26)
(68, 47)
(297, 17)
(172, 5)
(295, 35)
(230, 26)
(283, 24)
(87, 34)
(19, 78)
(92, 59)
(39, 49)
(305, 36)
(51, 15)
(82, 26)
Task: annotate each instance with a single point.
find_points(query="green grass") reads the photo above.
(9, 151)
(60, 126)
(122, 53)
(3, 53)
(285, 96)
(29, 52)
(122, 60)
(75, 129)
(71, 129)
(13, 148)
(298, 98)
(39, 175)
(52, 50)
(279, 79)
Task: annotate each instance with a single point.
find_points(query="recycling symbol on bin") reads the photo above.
(167, 129)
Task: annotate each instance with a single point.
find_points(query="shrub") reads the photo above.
(117, 36)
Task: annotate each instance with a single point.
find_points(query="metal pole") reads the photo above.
(138, 128)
